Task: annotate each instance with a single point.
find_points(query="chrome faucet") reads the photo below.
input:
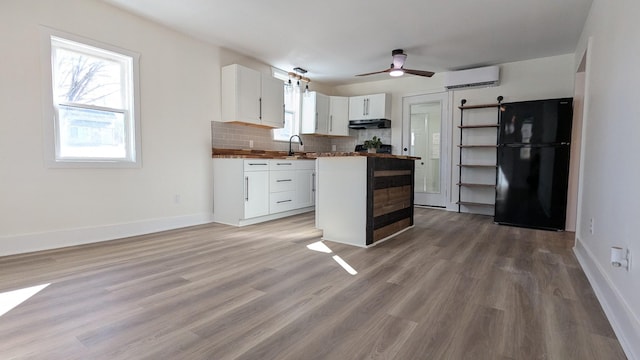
(291, 138)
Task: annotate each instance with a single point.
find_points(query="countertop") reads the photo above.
(300, 155)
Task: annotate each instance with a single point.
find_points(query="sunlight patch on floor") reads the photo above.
(344, 265)
(11, 299)
(320, 246)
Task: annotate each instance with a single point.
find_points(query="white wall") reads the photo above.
(609, 191)
(544, 78)
(179, 80)
(398, 88)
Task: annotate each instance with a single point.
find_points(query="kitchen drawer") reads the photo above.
(256, 165)
(282, 201)
(281, 164)
(306, 165)
(284, 180)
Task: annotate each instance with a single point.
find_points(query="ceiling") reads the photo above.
(336, 39)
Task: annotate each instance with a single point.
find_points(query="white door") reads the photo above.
(425, 134)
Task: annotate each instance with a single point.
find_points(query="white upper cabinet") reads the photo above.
(272, 112)
(325, 115)
(252, 98)
(338, 116)
(376, 106)
(315, 114)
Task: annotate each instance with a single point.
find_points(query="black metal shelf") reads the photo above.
(470, 203)
(479, 126)
(460, 165)
(478, 165)
(479, 106)
(476, 185)
(477, 146)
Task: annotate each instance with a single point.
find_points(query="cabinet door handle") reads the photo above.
(282, 201)
(246, 188)
(331, 123)
(316, 121)
(252, 164)
(284, 115)
(283, 163)
(260, 108)
(283, 180)
(313, 182)
(364, 107)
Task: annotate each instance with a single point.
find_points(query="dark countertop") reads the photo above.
(273, 154)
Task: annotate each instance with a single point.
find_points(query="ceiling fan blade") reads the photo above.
(376, 72)
(419, 72)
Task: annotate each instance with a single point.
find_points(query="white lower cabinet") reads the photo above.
(248, 191)
(256, 193)
(306, 190)
(282, 201)
(282, 188)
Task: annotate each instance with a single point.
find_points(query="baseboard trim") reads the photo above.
(623, 321)
(25, 243)
(261, 219)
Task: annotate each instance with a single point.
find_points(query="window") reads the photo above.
(93, 114)
(292, 109)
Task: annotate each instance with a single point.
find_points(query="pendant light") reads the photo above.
(288, 87)
(307, 93)
(298, 74)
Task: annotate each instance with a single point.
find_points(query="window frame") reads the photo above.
(131, 110)
(296, 111)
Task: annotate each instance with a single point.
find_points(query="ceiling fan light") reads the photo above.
(396, 72)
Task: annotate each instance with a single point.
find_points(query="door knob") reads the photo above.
(405, 149)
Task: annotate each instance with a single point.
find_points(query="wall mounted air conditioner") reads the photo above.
(479, 77)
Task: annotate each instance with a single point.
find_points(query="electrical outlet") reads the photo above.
(333, 148)
(177, 199)
(591, 226)
(250, 144)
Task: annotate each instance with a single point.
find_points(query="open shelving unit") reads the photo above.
(474, 186)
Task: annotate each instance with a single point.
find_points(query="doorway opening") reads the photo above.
(425, 135)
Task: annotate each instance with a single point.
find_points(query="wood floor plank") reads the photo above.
(455, 286)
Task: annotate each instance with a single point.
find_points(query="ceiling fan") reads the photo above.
(397, 68)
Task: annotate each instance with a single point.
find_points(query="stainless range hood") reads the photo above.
(370, 124)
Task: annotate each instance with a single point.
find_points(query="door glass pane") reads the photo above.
(425, 143)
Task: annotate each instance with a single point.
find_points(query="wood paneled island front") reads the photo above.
(362, 200)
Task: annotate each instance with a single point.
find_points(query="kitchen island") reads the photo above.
(363, 200)
(360, 198)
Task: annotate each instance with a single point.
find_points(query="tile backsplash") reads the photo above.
(237, 136)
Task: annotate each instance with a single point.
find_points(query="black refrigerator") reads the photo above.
(533, 163)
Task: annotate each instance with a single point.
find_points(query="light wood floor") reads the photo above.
(456, 286)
